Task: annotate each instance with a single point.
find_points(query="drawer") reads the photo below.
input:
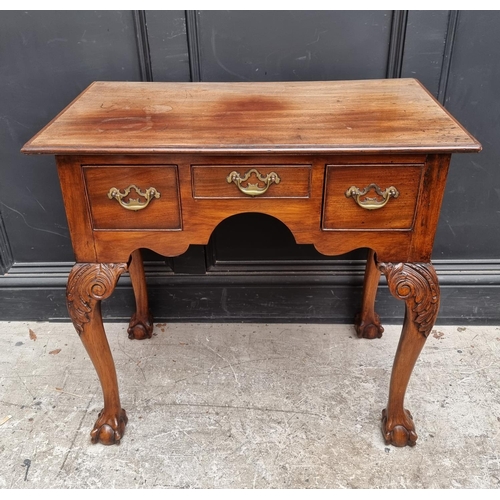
(235, 181)
(371, 209)
(155, 209)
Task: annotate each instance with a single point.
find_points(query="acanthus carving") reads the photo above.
(87, 283)
(417, 285)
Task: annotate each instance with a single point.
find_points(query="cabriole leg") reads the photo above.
(417, 285)
(141, 324)
(88, 284)
(367, 322)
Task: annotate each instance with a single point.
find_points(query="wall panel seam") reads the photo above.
(193, 45)
(6, 257)
(447, 55)
(397, 43)
(143, 50)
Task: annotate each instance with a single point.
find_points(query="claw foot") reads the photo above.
(140, 328)
(109, 429)
(370, 329)
(400, 432)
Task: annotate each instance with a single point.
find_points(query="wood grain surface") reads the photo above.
(395, 115)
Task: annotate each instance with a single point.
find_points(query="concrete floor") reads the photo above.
(248, 406)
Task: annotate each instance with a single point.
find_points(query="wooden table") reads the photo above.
(344, 165)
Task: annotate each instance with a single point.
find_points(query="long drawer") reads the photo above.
(251, 181)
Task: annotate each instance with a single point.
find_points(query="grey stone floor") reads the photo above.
(248, 406)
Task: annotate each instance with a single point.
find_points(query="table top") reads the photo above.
(369, 116)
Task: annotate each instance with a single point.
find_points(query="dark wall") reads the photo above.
(48, 58)
(470, 220)
(247, 46)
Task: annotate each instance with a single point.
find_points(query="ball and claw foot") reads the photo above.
(140, 328)
(401, 433)
(369, 329)
(109, 429)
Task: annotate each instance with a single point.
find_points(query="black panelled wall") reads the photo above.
(252, 269)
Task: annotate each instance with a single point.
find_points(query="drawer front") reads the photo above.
(360, 197)
(251, 181)
(133, 197)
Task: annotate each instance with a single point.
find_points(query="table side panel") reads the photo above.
(76, 207)
(429, 207)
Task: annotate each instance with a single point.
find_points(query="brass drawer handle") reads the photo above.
(359, 196)
(133, 203)
(253, 189)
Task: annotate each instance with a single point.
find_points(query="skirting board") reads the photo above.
(470, 294)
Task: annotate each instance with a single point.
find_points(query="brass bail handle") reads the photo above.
(133, 203)
(253, 189)
(359, 196)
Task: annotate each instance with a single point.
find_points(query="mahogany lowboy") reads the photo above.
(343, 165)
